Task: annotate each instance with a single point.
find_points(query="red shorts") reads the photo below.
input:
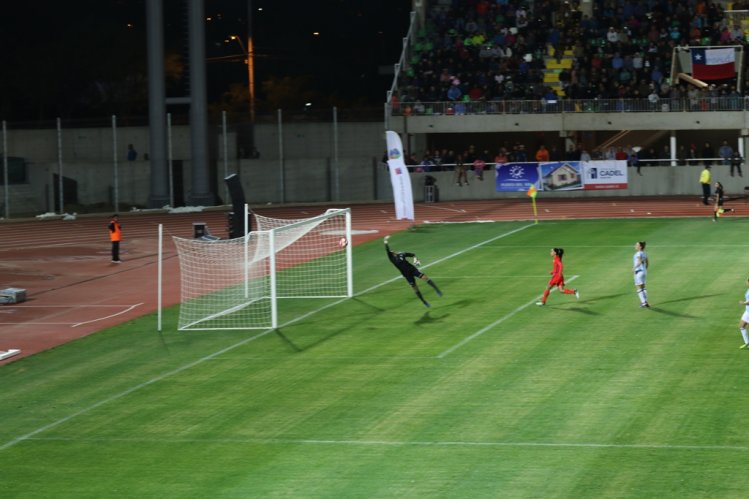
(557, 281)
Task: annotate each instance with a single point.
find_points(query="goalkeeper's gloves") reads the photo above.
(417, 262)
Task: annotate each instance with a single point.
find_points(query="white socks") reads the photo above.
(744, 335)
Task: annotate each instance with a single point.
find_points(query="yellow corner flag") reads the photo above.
(532, 191)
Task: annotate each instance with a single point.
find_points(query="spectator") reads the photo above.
(620, 154)
(682, 155)
(665, 155)
(708, 154)
(542, 154)
(725, 152)
(736, 161)
(478, 167)
(460, 171)
(633, 160)
(427, 164)
(132, 154)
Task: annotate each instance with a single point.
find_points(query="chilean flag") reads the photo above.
(713, 64)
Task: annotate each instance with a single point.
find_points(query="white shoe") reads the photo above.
(540, 303)
(577, 294)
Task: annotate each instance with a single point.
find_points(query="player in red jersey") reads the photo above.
(557, 278)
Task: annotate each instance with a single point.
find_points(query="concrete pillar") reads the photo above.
(159, 194)
(201, 192)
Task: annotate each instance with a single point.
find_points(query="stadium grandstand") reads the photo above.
(473, 56)
(512, 58)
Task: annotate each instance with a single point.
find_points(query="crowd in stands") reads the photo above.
(477, 161)
(494, 50)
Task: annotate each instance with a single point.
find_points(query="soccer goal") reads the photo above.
(238, 283)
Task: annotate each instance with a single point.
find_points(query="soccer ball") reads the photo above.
(343, 242)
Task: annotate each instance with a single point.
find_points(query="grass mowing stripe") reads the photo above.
(481, 331)
(396, 443)
(180, 369)
(151, 381)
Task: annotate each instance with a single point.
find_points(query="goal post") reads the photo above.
(239, 283)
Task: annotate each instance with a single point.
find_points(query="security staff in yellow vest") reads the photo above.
(705, 180)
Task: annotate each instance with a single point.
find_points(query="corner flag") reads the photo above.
(532, 191)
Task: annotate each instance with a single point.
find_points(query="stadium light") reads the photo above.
(249, 53)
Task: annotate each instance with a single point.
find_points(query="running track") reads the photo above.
(74, 290)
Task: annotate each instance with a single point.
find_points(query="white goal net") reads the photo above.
(237, 283)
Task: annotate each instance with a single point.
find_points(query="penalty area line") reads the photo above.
(484, 329)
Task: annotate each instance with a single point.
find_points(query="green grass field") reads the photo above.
(483, 395)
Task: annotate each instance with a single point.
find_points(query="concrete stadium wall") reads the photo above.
(654, 181)
(300, 168)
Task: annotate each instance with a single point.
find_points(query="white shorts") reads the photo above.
(745, 317)
(640, 278)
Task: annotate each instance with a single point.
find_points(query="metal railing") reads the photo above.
(666, 105)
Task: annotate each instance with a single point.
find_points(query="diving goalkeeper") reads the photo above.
(409, 271)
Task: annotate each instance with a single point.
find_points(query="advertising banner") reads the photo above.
(610, 174)
(514, 177)
(561, 176)
(399, 178)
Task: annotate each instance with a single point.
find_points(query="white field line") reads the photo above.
(493, 324)
(131, 307)
(445, 208)
(126, 309)
(397, 443)
(117, 396)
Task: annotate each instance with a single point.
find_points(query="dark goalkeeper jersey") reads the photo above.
(401, 262)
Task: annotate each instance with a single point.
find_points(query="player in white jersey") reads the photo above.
(745, 317)
(640, 265)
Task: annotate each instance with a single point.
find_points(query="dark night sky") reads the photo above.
(79, 58)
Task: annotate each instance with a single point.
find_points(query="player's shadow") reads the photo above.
(427, 318)
(689, 298)
(368, 305)
(604, 297)
(582, 310)
(459, 303)
(672, 314)
(686, 298)
(575, 308)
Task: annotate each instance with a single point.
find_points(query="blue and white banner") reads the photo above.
(399, 177)
(516, 176)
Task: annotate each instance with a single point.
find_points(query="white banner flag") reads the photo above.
(399, 177)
